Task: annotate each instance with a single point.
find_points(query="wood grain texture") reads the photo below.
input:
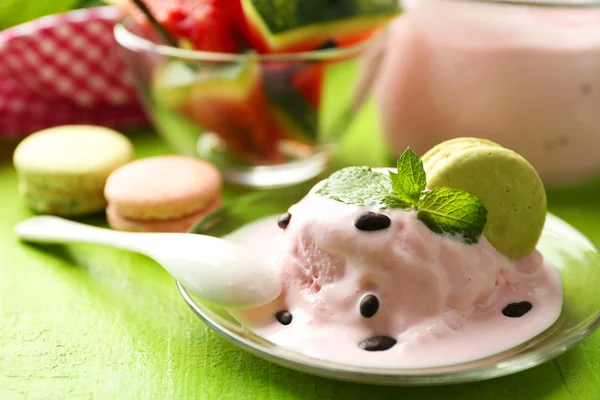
(84, 322)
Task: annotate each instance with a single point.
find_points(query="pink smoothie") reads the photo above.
(527, 78)
(439, 299)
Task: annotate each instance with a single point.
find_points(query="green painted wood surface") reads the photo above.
(84, 322)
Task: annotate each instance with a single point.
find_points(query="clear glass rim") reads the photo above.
(540, 3)
(131, 41)
(407, 377)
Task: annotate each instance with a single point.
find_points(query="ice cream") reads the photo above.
(374, 286)
(440, 300)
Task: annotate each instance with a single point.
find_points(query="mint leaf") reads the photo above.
(392, 201)
(410, 180)
(446, 210)
(361, 186)
(443, 210)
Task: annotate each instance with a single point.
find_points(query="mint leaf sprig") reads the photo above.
(410, 181)
(442, 209)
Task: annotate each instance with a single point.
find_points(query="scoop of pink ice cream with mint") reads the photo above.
(394, 284)
(438, 299)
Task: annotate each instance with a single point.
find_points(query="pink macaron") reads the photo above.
(162, 194)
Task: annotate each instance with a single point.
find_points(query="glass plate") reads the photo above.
(577, 259)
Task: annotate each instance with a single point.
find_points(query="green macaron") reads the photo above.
(71, 157)
(445, 149)
(506, 183)
(69, 204)
(63, 170)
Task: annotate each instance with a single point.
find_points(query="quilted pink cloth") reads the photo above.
(65, 69)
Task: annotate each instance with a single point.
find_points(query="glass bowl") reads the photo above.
(577, 259)
(264, 120)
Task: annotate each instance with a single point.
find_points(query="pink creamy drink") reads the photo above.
(525, 77)
(402, 296)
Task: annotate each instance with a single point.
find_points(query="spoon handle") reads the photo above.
(49, 229)
(214, 269)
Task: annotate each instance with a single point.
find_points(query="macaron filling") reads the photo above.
(180, 224)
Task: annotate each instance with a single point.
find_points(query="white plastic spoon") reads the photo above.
(214, 269)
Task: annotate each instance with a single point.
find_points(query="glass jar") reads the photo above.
(525, 74)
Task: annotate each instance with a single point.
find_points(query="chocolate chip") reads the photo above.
(517, 310)
(370, 221)
(284, 220)
(369, 306)
(377, 343)
(284, 317)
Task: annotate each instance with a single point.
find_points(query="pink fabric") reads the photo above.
(65, 69)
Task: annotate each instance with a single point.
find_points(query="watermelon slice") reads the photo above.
(172, 83)
(309, 82)
(304, 25)
(227, 100)
(206, 25)
(294, 94)
(304, 77)
(233, 106)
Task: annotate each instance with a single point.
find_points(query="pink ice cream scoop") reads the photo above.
(378, 288)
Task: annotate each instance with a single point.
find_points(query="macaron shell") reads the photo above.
(162, 188)
(449, 147)
(72, 157)
(508, 186)
(183, 224)
(60, 203)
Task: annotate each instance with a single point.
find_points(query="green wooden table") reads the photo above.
(83, 322)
